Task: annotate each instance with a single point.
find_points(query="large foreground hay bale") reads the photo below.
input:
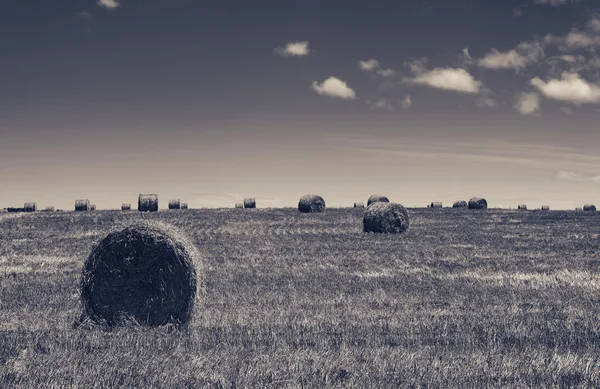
(545, 207)
(460, 204)
(143, 273)
(239, 205)
(359, 205)
(477, 203)
(30, 207)
(589, 207)
(377, 199)
(311, 203)
(175, 204)
(250, 202)
(386, 218)
(435, 204)
(523, 207)
(148, 203)
(82, 205)
(184, 206)
(125, 207)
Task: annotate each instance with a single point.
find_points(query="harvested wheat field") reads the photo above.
(289, 300)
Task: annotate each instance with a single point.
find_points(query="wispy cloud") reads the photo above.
(380, 104)
(518, 58)
(486, 102)
(334, 87)
(528, 104)
(406, 102)
(577, 177)
(368, 65)
(84, 15)
(110, 4)
(453, 79)
(570, 88)
(294, 49)
(388, 73)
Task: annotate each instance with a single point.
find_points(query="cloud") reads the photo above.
(570, 88)
(110, 4)
(386, 73)
(524, 54)
(407, 102)
(334, 87)
(594, 24)
(380, 104)
(368, 65)
(84, 15)
(577, 177)
(297, 49)
(486, 102)
(566, 110)
(454, 79)
(553, 3)
(528, 104)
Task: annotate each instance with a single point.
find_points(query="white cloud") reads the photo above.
(524, 54)
(368, 65)
(297, 49)
(110, 4)
(386, 73)
(334, 87)
(570, 88)
(577, 177)
(380, 104)
(458, 79)
(528, 104)
(407, 102)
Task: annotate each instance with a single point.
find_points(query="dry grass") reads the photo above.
(464, 299)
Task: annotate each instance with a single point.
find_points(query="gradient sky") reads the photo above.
(214, 101)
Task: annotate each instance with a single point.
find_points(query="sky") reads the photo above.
(212, 102)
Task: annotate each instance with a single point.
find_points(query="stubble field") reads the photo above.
(490, 298)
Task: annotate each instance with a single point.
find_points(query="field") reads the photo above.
(477, 299)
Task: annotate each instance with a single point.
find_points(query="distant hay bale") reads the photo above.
(385, 217)
(82, 205)
(184, 206)
(175, 204)
(436, 204)
(49, 209)
(545, 207)
(143, 273)
(311, 203)
(460, 204)
(148, 203)
(477, 203)
(13, 209)
(579, 209)
(377, 199)
(359, 205)
(523, 207)
(250, 202)
(239, 205)
(92, 207)
(589, 207)
(30, 207)
(125, 207)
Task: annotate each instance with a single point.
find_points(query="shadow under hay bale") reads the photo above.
(82, 205)
(184, 206)
(311, 203)
(30, 207)
(385, 217)
(436, 204)
(359, 205)
(126, 207)
(239, 205)
(148, 203)
(250, 202)
(141, 274)
(589, 207)
(460, 204)
(377, 199)
(477, 203)
(523, 207)
(175, 204)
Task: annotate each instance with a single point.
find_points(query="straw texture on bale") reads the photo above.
(184, 206)
(545, 207)
(82, 205)
(589, 207)
(477, 203)
(239, 205)
(30, 207)
(386, 218)
(377, 199)
(144, 274)
(436, 204)
(523, 207)
(250, 202)
(359, 205)
(175, 204)
(126, 207)
(311, 203)
(148, 203)
(460, 204)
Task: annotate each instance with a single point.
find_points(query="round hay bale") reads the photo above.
(436, 204)
(82, 205)
(144, 274)
(377, 199)
(359, 205)
(589, 207)
(250, 202)
(49, 208)
(239, 205)
(148, 203)
(92, 207)
(126, 207)
(579, 209)
(460, 204)
(545, 207)
(477, 203)
(184, 206)
(30, 207)
(523, 207)
(175, 204)
(311, 203)
(386, 218)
